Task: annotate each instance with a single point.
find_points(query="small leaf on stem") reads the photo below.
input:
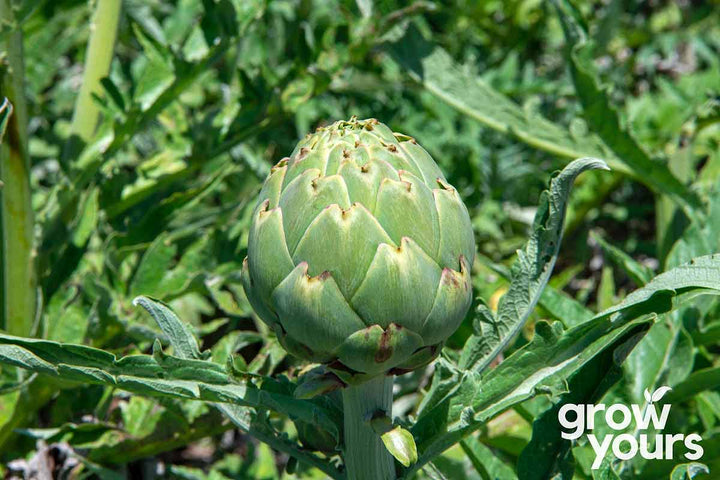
(398, 441)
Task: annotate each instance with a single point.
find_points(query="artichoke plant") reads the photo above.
(359, 258)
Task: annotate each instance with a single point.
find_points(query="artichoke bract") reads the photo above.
(359, 252)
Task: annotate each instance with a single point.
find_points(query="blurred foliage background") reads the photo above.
(204, 96)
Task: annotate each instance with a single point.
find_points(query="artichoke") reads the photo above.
(359, 252)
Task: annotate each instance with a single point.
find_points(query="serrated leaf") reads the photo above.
(556, 303)
(553, 356)
(548, 454)
(530, 272)
(165, 375)
(243, 418)
(541, 367)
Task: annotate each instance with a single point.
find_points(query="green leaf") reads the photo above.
(542, 366)
(398, 441)
(548, 453)
(564, 308)
(365, 7)
(530, 272)
(663, 358)
(243, 418)
(435, 70)
(160, 375)
(181, 338)
(639, 273)
(486, 463)
(556, 303)
(604, 119)
(698, 381)
(606, 288)
(688, 471)
(701, 237)
(87, 218)
(699, 276)
(182, 376)
(158, 74)
(219, 21)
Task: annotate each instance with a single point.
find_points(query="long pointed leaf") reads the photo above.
(158, 375)
(436, 71)
(530, 272)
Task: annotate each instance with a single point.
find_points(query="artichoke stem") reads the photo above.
(366, 458)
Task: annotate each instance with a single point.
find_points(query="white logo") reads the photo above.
(625, 445)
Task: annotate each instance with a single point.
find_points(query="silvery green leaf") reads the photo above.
(530, 272)
(181, 338)
(553, 356)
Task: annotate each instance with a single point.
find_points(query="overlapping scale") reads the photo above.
(430, 172)
(406, 208)
(451, 303)
(313, 311)
(399, 287)
(456, 235)
(343, 242)
(363, 182)
(270, 262)
(305, 197)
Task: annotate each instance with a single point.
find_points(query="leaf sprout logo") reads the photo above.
(626, 446)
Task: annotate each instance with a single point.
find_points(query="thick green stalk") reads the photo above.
(19, 282)
(99, 54)
(366, 458)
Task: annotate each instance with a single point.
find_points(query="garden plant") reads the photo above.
(368, 240)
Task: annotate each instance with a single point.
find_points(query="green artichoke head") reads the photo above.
(359, 252)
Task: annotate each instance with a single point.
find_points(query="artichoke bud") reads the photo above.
(359, 252)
